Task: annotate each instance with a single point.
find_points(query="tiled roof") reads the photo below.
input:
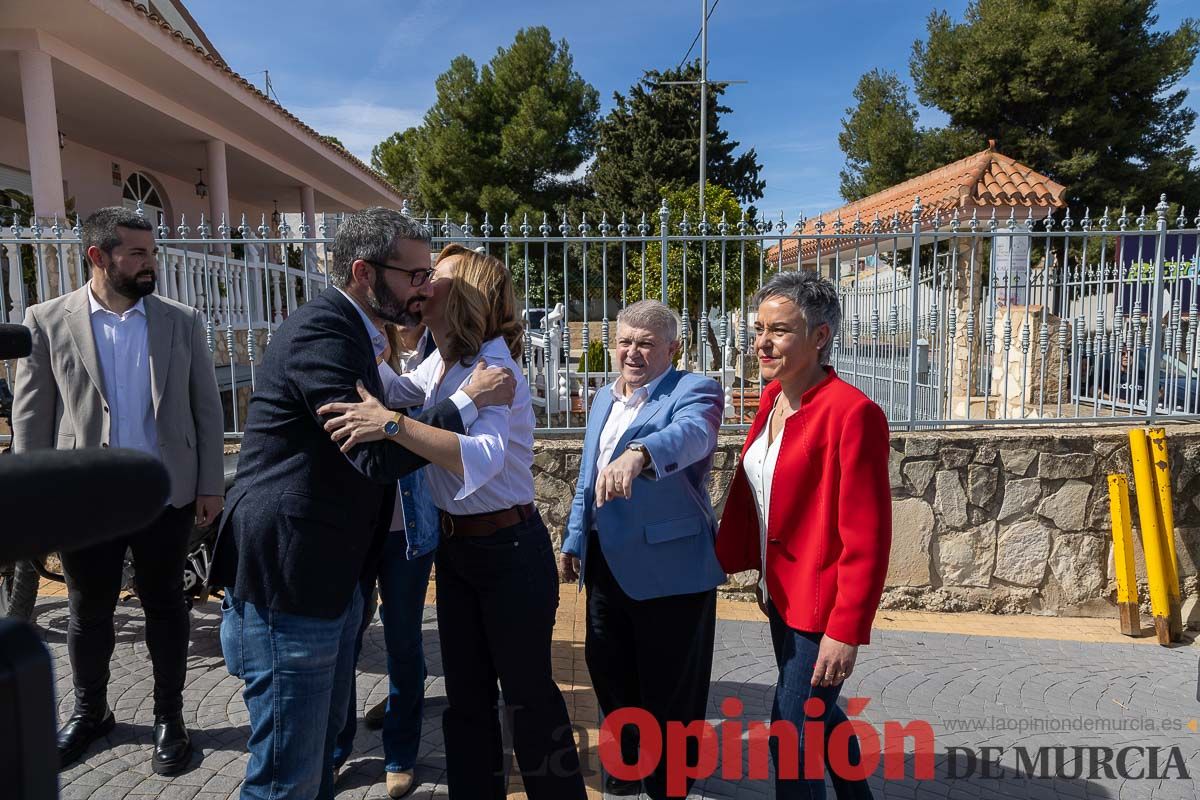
(984, 180)
(220, 65)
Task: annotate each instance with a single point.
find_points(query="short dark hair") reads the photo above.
(100, 228)
(814, 295)
(371, 235)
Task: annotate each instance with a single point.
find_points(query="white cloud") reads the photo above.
(359, 125)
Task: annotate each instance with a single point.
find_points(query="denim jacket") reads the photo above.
(420, 515)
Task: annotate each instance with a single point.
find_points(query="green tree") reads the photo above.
(882, 142)
(648, 144)
(706, 284)
(1083, 90)
(333, 140)
(397, 158)
(502, 139)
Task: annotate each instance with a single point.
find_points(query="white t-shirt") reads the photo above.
(759, 464)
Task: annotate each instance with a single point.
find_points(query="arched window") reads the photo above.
(139, 187)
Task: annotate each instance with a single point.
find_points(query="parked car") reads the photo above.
(1178, 383)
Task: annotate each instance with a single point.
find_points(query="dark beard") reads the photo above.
(133, 288)
(387, 306)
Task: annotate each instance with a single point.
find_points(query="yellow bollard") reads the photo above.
(1127, 600)
(1166, 523)
(1152, 544)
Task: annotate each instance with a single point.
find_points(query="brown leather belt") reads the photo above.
(484, 524)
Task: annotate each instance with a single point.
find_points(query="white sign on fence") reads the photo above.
(1010, 266)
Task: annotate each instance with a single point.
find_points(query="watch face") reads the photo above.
(391, 427)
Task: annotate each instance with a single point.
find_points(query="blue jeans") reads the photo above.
(796, 656)
(298, 672)
(402, 586)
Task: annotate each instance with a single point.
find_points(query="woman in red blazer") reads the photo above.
(815, 469)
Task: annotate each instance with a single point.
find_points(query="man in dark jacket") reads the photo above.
(305, 521)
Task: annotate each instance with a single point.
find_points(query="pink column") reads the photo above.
(218, 185)
(308, 208)
(41, 133)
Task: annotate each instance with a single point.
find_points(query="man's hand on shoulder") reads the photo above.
(491, 386)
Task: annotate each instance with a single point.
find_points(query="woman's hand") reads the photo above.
(835, 662)
(355, 423)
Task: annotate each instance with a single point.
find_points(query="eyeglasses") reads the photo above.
(416, 276)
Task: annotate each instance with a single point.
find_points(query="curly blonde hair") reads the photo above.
(481, 303)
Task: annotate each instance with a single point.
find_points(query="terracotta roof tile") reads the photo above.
(985, 179)
(220, 65)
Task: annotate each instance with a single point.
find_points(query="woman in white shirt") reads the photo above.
(497, 585)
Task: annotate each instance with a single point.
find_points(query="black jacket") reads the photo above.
(303, 521)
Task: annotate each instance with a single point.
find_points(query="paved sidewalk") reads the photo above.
(976, 679)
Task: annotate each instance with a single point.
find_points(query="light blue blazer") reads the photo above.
(659, 542)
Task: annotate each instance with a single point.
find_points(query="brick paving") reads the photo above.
(951, 670)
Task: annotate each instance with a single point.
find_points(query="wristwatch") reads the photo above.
(392, 426)
(638, 447)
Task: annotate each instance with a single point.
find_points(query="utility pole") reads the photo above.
(703, 84)
(703, 99)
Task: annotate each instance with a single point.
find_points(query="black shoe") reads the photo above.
(79, 732)
(172, 745)
(373, 719)
(620, 788)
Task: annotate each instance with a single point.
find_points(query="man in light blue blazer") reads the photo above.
(641, 534)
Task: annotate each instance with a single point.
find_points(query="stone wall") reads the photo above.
(996, 520)
(1005, 521)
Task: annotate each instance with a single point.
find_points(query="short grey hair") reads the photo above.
(816, 297)
(371, 235)
(100, 228)
(651, 315)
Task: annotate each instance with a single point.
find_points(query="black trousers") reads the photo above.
(496, 600)
(93, 585)
(652, 654)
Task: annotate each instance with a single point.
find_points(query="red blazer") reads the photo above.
(830, 526)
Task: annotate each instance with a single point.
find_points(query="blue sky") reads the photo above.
(361, 69)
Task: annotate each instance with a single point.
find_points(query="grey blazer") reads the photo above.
(59, 391)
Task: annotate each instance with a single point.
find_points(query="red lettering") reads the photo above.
(731, 740)
(814, 749)
(678, 768)
(649, 747)
(839, 750)
(788, 740)
(894, 735)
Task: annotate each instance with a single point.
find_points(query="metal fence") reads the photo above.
(959, 321)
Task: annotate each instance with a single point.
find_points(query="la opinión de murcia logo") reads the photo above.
(741, 750)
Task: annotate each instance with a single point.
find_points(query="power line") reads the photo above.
(689, 50)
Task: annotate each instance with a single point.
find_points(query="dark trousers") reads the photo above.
(652, 654)
(496, 600)
(93, 584)
(796, 655)
(402, 586)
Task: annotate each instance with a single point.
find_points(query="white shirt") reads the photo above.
(466, 407)
(497, 449)
(622, 414)
(122, 343)
(759, 464)
(379, 343)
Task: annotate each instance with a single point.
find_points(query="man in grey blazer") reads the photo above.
(115, 366)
